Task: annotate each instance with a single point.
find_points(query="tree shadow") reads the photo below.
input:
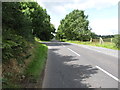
(65, 73)
(53, 43)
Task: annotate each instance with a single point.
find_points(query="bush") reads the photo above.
(13, 45)
(116, 40)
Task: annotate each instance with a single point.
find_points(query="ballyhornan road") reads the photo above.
(74, 66)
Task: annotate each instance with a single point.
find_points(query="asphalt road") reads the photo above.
(72, 66)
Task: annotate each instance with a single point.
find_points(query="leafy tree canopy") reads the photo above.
(21, 22)
(75, 26)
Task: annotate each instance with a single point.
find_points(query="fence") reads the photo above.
(102, 40)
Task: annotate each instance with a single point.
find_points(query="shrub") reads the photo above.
(116, 40)
(13, 45)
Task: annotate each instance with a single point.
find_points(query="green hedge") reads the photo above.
(116, 40)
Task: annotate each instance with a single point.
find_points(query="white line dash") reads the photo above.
(63, 46)
(73, 51)
(108, 74)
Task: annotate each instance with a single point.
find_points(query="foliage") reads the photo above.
(105, 36)
(13, 45)
(117, 40)
(27, 19)
(41, 26)
(21, 22)
(13, 19)
(75, 26)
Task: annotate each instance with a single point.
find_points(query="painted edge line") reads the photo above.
(115, 78)
(73, 51)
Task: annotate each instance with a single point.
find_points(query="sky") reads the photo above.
(102, 14)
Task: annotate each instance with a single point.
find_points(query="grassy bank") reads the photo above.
(105, 44)
(18, 74)
(37, 63)
(38, 40)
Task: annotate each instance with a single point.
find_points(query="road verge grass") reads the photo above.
(38, 40)
(108, 45)
(37, 64)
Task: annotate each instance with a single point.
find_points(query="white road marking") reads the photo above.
(74, 52)
(49, 47)
(63, 46)
(108, 74)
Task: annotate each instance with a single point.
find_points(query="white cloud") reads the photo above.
(55, 22)
(105, 26)
(63, 5)
(98, 4)
(84, 4)
(40, 3)
(57, 13)
(58, 10)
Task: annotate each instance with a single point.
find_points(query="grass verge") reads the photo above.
(37, 64)
(105, 44)
(38, 40)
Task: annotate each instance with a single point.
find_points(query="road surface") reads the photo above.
(74, 66)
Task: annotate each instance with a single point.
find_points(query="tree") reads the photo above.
(41, 26)
(75, 26)
(21, 22)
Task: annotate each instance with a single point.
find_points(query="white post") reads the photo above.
(101, 41)
(111, 40)
(90, 39)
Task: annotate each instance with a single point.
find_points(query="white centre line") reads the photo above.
(108, 74)
(73, 51)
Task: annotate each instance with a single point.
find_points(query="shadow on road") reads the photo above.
(62, 73)
(53, 43)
